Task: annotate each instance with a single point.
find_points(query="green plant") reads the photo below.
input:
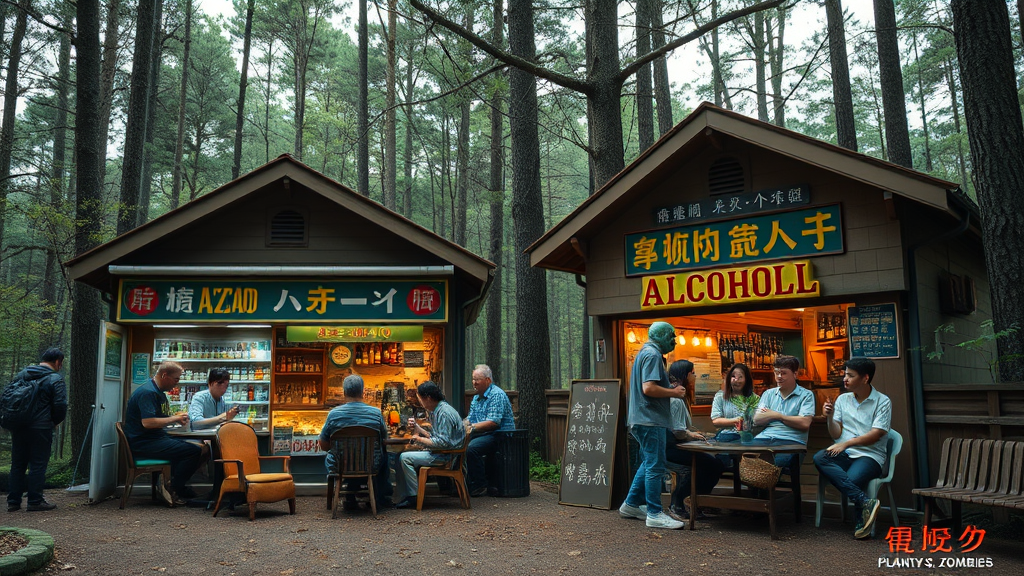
(983, 344)
(544, 471)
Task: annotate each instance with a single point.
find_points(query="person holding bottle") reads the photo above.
(208, 408)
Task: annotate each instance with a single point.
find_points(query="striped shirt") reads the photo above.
(446, 429)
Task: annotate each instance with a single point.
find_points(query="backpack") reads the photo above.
(18, 403)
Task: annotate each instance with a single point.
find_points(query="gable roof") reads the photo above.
(562, 247)
(92, 267)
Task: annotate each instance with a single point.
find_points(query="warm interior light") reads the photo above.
(798, 309)
(682, 340)
(696, 340)
(707, 341)
(631, 337)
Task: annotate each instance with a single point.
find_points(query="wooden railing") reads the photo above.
(557, 415)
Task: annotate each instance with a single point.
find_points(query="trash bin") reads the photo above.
(511, 467)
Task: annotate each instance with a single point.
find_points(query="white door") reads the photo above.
(110, 378)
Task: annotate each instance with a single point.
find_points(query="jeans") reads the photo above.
(849, 475)
(650, 475)
(480, 446)
(184, 457)
(30, 449)
(408, 464)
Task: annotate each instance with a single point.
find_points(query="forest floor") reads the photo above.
(532, 535)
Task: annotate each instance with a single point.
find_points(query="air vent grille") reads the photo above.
(726, 176)
(288, 228)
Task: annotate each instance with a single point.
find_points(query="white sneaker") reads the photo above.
(627, 511)
(662, 520)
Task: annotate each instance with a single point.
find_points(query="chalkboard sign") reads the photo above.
(413, 358)
(591, 428)
(873, 331)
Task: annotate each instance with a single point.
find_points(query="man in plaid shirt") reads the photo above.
(489, 412)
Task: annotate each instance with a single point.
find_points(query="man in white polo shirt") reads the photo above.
(859, 424)
(786, 412)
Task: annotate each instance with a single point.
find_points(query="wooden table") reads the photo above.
(736, 500)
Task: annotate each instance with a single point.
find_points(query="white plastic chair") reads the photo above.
(894, 443)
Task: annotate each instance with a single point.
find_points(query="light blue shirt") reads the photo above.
(495, 406)
(203, 409)
(354, 413)
(858, 419)
(644, 410)
(446, 429)
(800, 402)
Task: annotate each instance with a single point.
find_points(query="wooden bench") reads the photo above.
(976, 471)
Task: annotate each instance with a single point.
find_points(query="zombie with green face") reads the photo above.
(649, 418)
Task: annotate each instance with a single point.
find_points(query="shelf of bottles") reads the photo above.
(831, 326)
(758, 351)
(220, 351)
(378, 354)
(298, 374)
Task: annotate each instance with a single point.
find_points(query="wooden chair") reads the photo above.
(453, 469)
(155, 468)
(241, 460)
(354, 448)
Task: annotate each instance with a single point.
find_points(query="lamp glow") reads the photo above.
(707, 341)
(631, 337)
(682, 340)
(696, 340)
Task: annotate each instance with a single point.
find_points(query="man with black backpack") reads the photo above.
(34, 403)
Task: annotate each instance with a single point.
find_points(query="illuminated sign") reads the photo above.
(729, 286)
(801, 233)
(355, 333)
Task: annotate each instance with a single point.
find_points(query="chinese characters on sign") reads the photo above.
(873, 331)
(355, 333)
(729, 286)
(808, 232)
(199, 300)
(590, 443)
(901, 540)
(732, 205)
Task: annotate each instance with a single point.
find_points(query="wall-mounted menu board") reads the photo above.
(873, 331)
(587, 461)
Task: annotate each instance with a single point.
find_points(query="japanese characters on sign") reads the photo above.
(933, 540)
(732, 205)
(873, 331)
(800, 233)
(282, 301)
(590, 443)
(729, 286)
(355, 333)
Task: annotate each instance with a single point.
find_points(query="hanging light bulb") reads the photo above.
(696, 340)
(681, 339)
(631, 337)
(707, 340)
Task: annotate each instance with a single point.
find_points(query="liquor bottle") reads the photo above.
(842, 326)
(821, 327)
(251, 393)
(376, 353)
(387, 354)
(830, 329)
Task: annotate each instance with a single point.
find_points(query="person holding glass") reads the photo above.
(735, 400)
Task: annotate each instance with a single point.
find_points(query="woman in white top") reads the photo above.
(730, 404)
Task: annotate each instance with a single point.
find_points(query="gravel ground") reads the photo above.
(533, 535)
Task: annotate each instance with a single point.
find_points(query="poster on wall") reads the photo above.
(140, 369)
(112, 358)
(873, 331)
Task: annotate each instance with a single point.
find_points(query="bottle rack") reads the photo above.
(298, 374)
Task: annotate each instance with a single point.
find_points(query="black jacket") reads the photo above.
(51, 399)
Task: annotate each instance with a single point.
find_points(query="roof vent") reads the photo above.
(726, 176)
(287, 228)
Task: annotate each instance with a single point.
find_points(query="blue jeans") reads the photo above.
(409, 464)
(849, 475)
(483, 445)
(184, 457)
(30, 449)
(650, 475)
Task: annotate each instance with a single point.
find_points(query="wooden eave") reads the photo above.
(554, 250)
(92, 266)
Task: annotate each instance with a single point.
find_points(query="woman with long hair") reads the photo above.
(736, 399)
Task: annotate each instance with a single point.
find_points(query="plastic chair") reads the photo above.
(452, 469)
(893, 446)
(354, 448)
(241, 460)
(155, 468)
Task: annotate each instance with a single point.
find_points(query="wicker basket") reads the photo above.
(757, 472)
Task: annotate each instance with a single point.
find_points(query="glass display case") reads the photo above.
(299, 431)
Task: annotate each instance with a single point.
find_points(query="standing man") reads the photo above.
(355, 412)
(649, 420)
(489, 412)
(148, 414)
(30, 446)
(446, 433)
(786, 411)
(207, 409)
(859, 424)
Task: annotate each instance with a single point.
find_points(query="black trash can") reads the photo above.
(511, 465)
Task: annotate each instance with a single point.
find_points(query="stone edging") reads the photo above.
(30, 558)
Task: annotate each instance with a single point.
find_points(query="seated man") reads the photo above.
(859, 423)
(148, 414)
(446, 433)
(355, 412)
(489, 412)
(207, 409)
(786, 411)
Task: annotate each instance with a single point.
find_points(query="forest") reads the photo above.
(485, 122)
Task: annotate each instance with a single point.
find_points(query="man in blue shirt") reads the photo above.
(207, 409)
(446, 433)
(355, 412)
(786, 411)
(148, 414)
(489, 412)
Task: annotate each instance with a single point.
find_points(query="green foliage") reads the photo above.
(983, 344)
(544, 471)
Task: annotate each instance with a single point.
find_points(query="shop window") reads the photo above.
(726, 176)
(287, 228)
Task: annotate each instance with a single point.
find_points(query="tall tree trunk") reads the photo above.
(10, 104)
(644, 106)
(533, 360)
(924, 109)
(760, 82)
(87, 307)
(390, 123)
(146, 193)
(497, 202)
(135, 130)
(243, 84)
(179, 145)
(407, 153)
(897, 133)
(462, 155)
(842, 95)
(300, 62)
(108, 70)
(951, 82)
(776, 58)
(992, 110)
(604, 113)
(662, 91)
(363, 110)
